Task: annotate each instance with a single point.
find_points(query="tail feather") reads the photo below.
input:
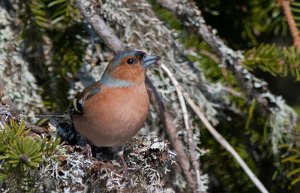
(55, 116)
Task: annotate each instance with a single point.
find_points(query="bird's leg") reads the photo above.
(88, 150)
(125, 167)
(121, 155)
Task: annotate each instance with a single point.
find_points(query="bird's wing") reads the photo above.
(76, 105)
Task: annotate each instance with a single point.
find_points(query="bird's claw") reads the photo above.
(88, 151)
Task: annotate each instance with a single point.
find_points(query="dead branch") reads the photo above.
(214, 132)
(225, 144)
(191, 144)
(181, 156)
(291, 21)
(106, 33)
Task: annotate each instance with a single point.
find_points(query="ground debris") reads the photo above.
(149, 160)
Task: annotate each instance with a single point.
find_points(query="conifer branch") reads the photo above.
(191, 18)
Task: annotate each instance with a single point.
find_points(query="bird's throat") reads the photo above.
(110, 81)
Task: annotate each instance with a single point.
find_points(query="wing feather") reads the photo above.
(77, 104)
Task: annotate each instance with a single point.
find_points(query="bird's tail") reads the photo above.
(64, 116)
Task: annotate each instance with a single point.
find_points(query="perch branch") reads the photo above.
(291, 22)
(191, 144)
(111, 40)
(220, 139)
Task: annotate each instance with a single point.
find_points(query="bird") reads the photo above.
(112, 110)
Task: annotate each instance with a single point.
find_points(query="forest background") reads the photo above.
(226, 90)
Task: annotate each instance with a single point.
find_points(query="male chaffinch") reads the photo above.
(111, 111)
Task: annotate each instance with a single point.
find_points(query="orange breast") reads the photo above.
(113, 116)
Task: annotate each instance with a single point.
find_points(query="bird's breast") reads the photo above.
(113, 116)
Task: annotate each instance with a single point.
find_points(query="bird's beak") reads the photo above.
(148, 60)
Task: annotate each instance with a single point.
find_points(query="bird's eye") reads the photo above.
(130, 61)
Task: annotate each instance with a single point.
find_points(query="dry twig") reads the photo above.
(225, 144)
(191, 144)
(89, 11)
(214, 132)
(291, 22)
(181, 156)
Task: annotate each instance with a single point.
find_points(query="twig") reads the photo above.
(191, 144)
(234, 92)
(225, 144)
(215, 134)
(210, 55)
(291, 22)
(113, 42)
(181, 156)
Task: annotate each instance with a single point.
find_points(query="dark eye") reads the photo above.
(130, 61)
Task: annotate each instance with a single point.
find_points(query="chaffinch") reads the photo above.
(111, 111)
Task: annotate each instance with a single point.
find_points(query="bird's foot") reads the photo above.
(125, 167)
(88, 151)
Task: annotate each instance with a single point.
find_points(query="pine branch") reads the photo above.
(253, 87)
(190, 15)
(274, 60)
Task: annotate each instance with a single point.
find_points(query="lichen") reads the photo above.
(149, 161)
(19, 82)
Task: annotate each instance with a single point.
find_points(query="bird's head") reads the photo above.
(128, 68)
